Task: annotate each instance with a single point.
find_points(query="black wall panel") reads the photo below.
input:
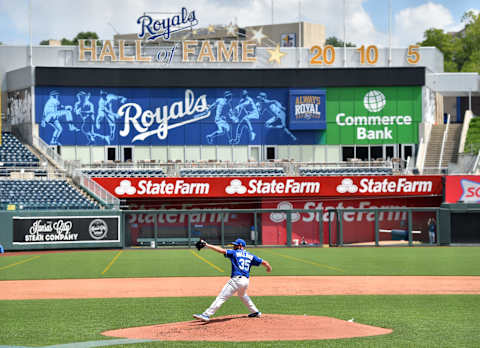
(229, 78)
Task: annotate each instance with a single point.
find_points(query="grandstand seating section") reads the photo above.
(16, 157)
(124, 173)
(328, 171)
(211, 172)
(43, 194)
(14, 154)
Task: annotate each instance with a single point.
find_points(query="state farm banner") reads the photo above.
(464, 188)
(65, 229)
(358, 226)
(228, 187)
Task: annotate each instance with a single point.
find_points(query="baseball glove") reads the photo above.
(200, 244)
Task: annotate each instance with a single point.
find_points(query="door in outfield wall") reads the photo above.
(270, 153)
(111, 153)
(127, 153)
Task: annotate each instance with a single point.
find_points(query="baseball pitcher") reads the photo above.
(241, 261)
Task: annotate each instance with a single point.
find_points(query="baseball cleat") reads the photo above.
(255, 315)
(202, 317)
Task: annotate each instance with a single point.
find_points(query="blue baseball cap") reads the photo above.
(240, 241)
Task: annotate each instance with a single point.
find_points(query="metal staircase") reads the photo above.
(434, 149)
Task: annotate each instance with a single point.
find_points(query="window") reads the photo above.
(407, 151)
(127, 154)
(390, 151)
(347, 152)
(111, 153)
(362, 153)
(376, 152)
(271, 153)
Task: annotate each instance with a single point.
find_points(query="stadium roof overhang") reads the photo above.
(454, 84)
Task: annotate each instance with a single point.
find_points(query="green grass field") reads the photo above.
(417, 321)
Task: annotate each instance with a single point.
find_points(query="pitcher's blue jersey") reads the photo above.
(241, 261)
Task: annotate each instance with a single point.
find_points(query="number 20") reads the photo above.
(327, 58)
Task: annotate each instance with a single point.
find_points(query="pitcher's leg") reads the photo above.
(228, 290)
(242, 293)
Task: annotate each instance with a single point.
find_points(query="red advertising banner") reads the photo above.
(462, 188)
(228, 187)
(357, 226)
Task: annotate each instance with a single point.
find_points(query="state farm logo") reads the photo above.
(149, 187)
(347, 185)
(125, 188)
(370, 185)
(471, 191)
(235, 186)
(282, 216)
(263, 187)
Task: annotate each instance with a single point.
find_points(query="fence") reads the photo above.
(277, 227)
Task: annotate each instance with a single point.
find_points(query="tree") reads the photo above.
(87, 35)
(335, 42)
(80, 36)
(461, 50)
(446, 43)
(66, 42)
(469, 50)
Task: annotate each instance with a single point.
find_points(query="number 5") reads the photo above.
(413, 56)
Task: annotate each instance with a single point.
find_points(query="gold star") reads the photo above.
(276, 54)
(211, 28)
(258, 35)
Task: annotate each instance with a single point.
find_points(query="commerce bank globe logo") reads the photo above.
(374, 101)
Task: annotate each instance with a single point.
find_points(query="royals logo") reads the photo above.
(165, 27)
(307, 107)
(144, 120)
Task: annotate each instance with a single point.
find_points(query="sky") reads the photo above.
(366, 20)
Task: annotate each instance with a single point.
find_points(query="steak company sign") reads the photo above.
(65, 229)
(355, 186)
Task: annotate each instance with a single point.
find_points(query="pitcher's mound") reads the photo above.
(270, 327)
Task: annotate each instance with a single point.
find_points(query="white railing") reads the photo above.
(422, 154)
(290, 168)
(445, 134)
(422, 148)
(98, 191)
(48, 152)
(71, 169)
(466, 124)
(475, 165)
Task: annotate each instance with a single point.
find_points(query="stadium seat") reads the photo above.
(43, 194)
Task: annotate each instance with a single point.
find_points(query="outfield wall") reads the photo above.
(61, 229)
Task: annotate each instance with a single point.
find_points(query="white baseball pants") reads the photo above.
(237, 285)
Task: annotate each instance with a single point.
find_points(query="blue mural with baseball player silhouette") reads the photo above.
(163, 116)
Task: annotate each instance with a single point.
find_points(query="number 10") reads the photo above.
(370, 53)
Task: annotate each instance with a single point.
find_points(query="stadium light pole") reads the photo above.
(30, 49)
(389, 33)
(299, 46)
(344, 33)
(272, 10)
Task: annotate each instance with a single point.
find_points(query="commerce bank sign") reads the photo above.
(373, 115)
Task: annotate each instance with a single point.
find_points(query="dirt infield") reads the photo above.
(259, 286)
(271, 327)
